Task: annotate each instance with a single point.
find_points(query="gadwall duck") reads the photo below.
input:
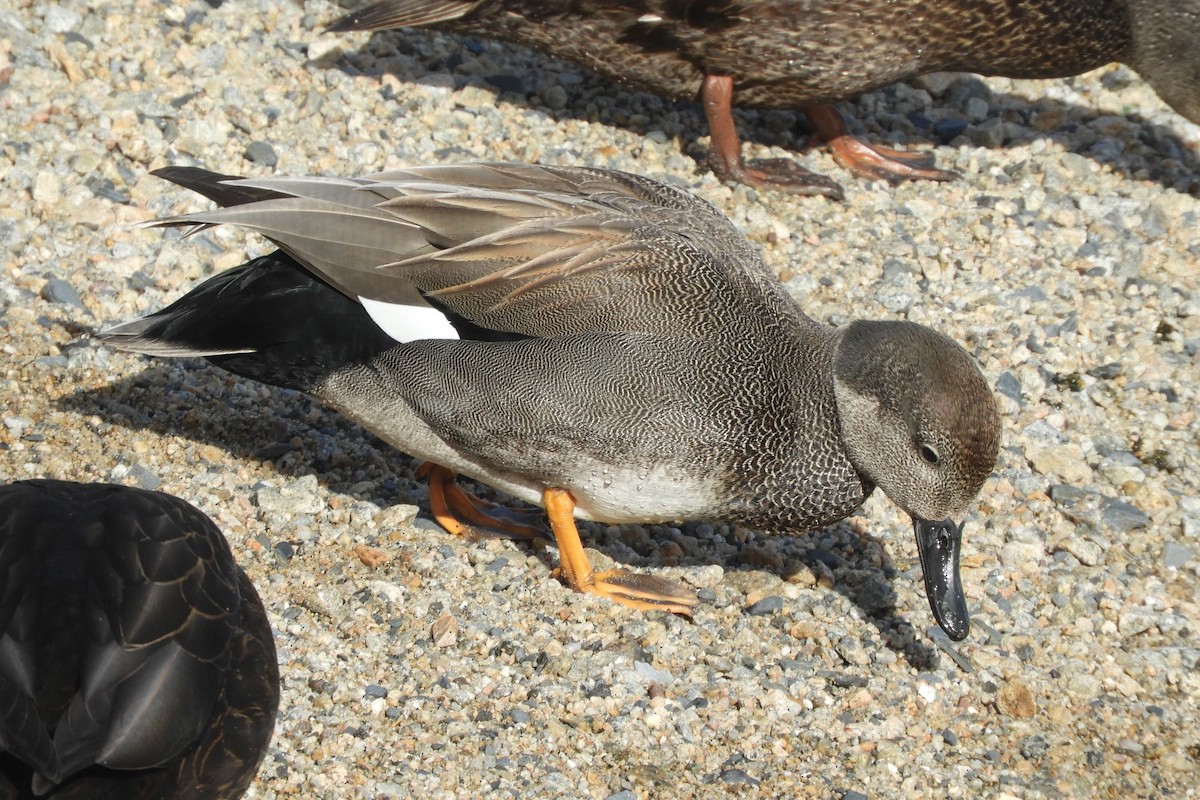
(808, 54)
(590, 341)
(136, 660)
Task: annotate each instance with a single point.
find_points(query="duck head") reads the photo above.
(1166, 50)
(920, 422)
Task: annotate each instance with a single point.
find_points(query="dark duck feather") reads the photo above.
(808, 54)
(136, 660)
(591, 341)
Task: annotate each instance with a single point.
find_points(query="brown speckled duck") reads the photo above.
(808, 54)
(591, 341)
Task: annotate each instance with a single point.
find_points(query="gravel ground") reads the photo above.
(415, 664)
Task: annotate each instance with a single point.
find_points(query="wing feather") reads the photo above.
(525, 249)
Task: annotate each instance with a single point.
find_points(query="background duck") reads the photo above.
(590, 341)
(808, 54)
(136, 660)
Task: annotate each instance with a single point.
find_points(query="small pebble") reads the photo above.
(1176, 556)
(57, 290)
(735, 777)
(768, 605)
(444, 632)
(261, 153)
(1034, 747)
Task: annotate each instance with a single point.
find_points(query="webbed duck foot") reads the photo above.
(646, 592)
(781, 174)
(875, 162)
(450, 505)
(725, 153)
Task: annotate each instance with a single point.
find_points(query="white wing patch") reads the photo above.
(406, 323)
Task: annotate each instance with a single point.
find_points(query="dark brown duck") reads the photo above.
(808, 54)
(136, 660)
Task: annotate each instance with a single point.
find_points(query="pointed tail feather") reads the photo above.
(269, 320)
(215, 186)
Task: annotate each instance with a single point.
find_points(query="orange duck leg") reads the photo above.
(647, 592)
(448, 502)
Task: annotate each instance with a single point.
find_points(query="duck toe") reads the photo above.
(785, 175)
(875, 162)
(878, 162)
(646, 592)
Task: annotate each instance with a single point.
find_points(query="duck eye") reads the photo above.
(929, 454)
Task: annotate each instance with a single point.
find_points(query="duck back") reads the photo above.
(787, 53)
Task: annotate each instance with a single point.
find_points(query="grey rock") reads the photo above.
(58, 290)
(1043, 433)
(990, 133)
(844, 680)
(1008, 385)
(507, 83)
(936, 83)
(1122, 517)
(1135, 621)
(555, 98)
(1034, 747)
(1034, 294)
(213, 56)
(1130, 746)
(1097, 511)
(61, 20)
(17, 425)
(294, 497)
(851, 649)
(772, 604)
(1176, 556)
(650, 674)
(1079, 166)
(1107, 371)
(145, 478)
(737, 776)
(977, 109)
(874, 596)
(260, 152)
(894, 298)
(948, 129)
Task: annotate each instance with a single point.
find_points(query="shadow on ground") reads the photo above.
(1146, 151)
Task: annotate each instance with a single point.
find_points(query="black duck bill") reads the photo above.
(940, 542)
